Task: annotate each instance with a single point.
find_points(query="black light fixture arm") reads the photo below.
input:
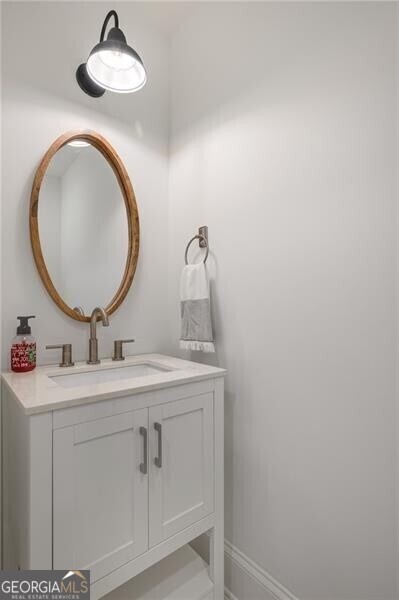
(112, 13)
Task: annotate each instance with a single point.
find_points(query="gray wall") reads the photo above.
(283, 144)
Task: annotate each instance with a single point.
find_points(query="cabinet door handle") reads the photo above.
(144, 464)
(158, 459)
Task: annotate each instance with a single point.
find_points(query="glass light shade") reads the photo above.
(116, 67)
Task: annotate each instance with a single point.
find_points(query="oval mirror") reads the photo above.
(84, 225)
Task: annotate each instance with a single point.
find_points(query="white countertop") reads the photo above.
(36, 392)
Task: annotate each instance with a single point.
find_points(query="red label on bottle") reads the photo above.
(23, 356)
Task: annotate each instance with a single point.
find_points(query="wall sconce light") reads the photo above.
(112, 64)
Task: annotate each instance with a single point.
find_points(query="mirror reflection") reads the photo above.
(83, 226)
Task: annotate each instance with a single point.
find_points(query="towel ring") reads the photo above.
(197, 237)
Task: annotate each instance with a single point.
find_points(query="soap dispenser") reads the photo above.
(23, 347)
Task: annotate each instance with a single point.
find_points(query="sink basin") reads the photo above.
(70, 380)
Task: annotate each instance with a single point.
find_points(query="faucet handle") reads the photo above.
(66, 353)
(118, 347)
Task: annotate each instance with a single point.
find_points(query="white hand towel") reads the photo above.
(196, 326)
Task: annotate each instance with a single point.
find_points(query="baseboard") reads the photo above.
(263, 586)
(229, 595)
(244, 579)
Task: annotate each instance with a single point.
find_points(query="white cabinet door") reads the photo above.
(100, 496)
(181, 465)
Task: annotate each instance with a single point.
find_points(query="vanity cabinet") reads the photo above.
(113, 497)
(115, 485)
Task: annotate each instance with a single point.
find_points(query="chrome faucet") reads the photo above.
(93, 342)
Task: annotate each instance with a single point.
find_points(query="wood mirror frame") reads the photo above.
(103, 146)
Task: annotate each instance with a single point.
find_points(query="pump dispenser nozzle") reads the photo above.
(24, 327)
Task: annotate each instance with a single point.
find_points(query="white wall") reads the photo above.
(41, 100)
(283, 144)
(397, 288)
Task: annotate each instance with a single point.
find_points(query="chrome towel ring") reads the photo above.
(202, 236)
